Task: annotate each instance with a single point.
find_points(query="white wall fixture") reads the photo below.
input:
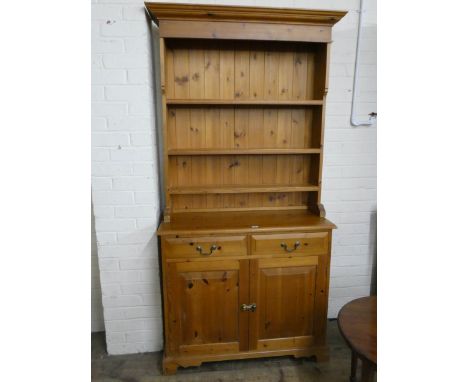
(372, 116)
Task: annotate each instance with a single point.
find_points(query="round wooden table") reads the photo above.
(357, 321)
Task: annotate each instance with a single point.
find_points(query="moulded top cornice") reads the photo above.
(202, 12)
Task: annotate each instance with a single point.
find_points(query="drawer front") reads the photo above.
(290, 243)
(205, 247)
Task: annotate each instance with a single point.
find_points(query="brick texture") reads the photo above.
(124, 168)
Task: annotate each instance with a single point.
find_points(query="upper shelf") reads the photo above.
(226, 102)
(261, 151)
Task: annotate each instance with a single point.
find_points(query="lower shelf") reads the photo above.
(233, 189)
(239, 209)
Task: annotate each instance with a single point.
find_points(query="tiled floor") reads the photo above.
(147, 367)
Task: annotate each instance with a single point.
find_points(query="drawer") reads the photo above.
(207, 246)
(290, 243)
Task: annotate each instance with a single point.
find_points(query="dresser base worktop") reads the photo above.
(247, 222)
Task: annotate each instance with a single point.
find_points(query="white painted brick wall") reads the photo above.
(124, 168)
(124, 179)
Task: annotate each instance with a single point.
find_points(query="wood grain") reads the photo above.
(209, 294)
(234, 170)
(243, 114)
(171, 11)
(310, 244)
(284, 290)
(255, 128)
(167, 134)
(243, 31)
(187, 247)
(357, 321)
(233, 189)
(244, 102)
(227, 151)
(210, 223)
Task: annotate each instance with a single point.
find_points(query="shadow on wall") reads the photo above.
(373, 251)
(97, 316)
(155, 50)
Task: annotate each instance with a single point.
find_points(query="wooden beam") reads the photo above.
(169, 11)
(244, 31)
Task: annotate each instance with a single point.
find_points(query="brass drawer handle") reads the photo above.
(213, 248)
(248, 307)
(296, 246)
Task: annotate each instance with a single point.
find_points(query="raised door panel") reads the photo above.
(285, 292)
(204, 299)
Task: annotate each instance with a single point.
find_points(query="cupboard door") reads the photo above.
(287, 293)
(204, 299)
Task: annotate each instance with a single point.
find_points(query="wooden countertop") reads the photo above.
(245, 222)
